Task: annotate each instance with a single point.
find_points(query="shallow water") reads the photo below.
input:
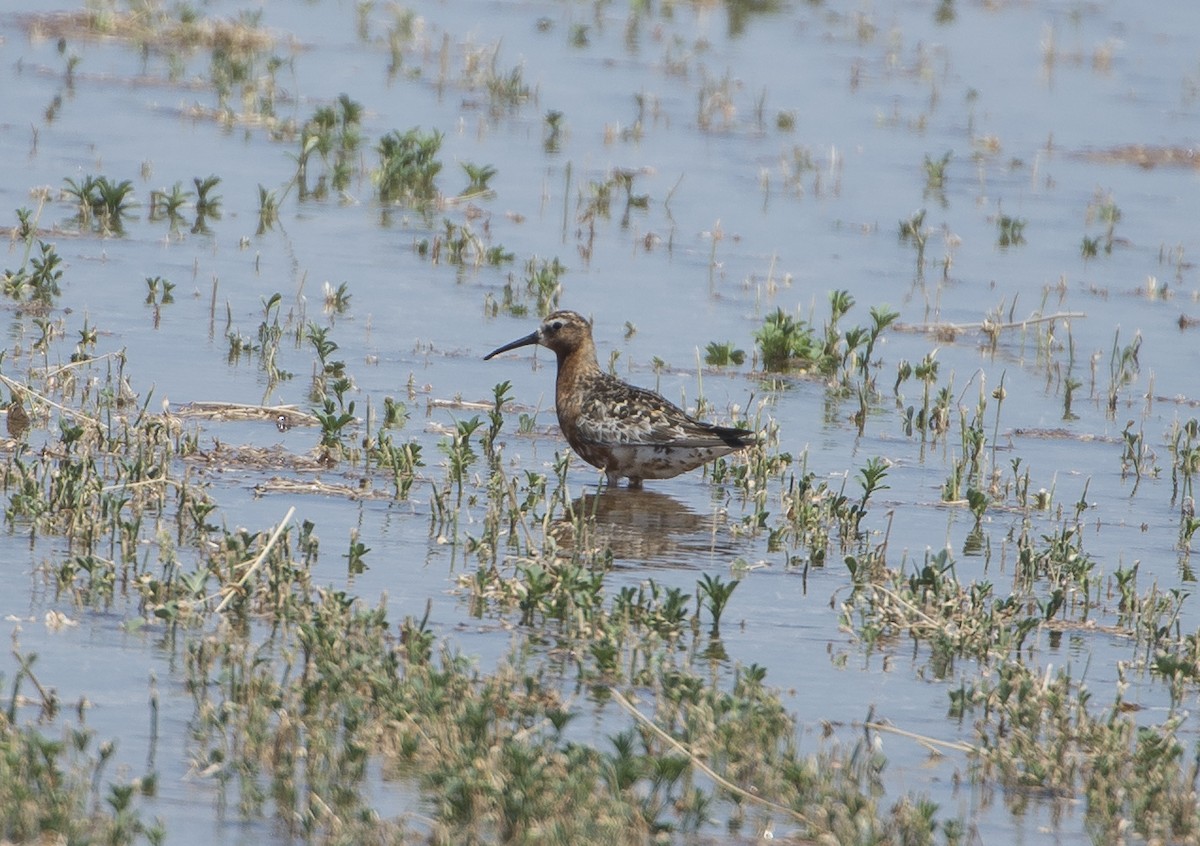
(1030, 100)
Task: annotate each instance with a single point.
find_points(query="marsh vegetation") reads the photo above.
(287, 559)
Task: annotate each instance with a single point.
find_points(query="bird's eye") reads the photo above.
(556, 325)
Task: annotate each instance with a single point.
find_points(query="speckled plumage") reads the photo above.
(624, 430)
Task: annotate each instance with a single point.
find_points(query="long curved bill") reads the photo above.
(531, 338)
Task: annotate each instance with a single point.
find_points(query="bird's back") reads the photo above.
(630, 431)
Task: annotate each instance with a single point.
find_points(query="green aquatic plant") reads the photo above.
(459, 245)
(334, 420)
(355, 563)
(552, 137)
(723, 354)
(714, 594)
(913, 231)
(268, 210)
(1104, 209)
(935, 172)
(1123, 366)
(207, 203)
(408, 166)
(337, 300)
(166, 203)
(479, 176)
(334, 135)
(786, 342)
(101, 202)
(159, 291)
(1011, 231)
(402, 460)
(38, 276)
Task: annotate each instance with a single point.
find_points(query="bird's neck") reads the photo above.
(574, 366)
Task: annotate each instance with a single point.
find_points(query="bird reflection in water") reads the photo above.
(639, 525)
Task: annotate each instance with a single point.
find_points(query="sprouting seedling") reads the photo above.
(83, 194)
(1123, 366)
(418, 638)
(1188, 524)
(330, 375)
(935, 173)
(1109, 213)
(268, 210)
(715, 594)
(1185, 458)
(115, 200)
(978, 502)
(408, 166)
(913, 231)
(355, 565)
(47, 271)
(88, 337)
(337, 300)
(871, 478)
(624, 179)
(904, 372)
(166, 203)
(723, 355)
(506, 90)
(325, 346)
(159, 291)
(333, 421)
(99, 199)
(552, 141)
(500, 396)
(784, 339)
(1011, 231)
(1134, 451)
(881, 318)
(542, 280)
(207, 203)
(403, 460)
(26, 225)
(459, 451)
(479, 176)
(395, 414)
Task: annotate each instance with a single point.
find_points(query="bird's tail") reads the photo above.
(736, 437)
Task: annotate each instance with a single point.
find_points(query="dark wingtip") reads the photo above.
(736, 438)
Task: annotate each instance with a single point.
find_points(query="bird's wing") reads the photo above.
(625, 414)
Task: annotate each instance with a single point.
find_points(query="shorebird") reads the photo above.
(17, 418)
(626, 431)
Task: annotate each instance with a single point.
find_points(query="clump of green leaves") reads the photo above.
(334, 135)
(1011, 231)
(479, 176)
(100, 202)
(723, 354)
(408, 166)
(913, 231)
(786, 342)
(790, 343)
(459, 245)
